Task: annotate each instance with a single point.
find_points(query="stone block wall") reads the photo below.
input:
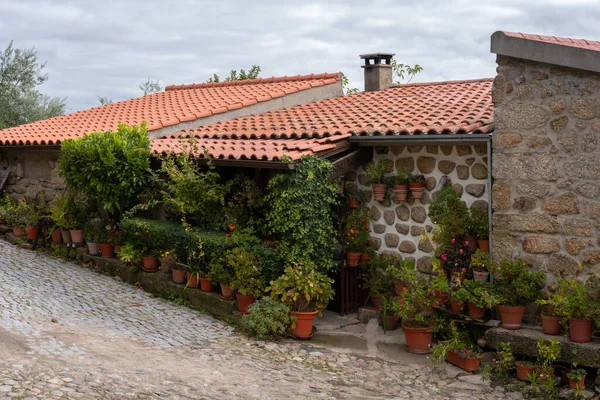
(546, 167)
(402, 228)
(32, 171)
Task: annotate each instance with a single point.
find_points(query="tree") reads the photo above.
(234, 76)
(104, 100)
(400, 70)
(150, 87)
(20, 102)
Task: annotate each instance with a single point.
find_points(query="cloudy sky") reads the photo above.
(108, 47)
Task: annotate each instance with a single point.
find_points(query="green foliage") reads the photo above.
(173, 297)
(478, 224)
(267, 319)
(358, 232)
(402, 178)
(150, 87)
(20, 102)
(105, 100)
(248, 275)
(111, 167)
(548, 353)
(252, 73)
(130, 255)
(301, 215)
(346, 86)
(303, 288)
(515, 284)
(481, 294)
(480, 261)
(450, 214)
(573, 300)
(68, 211)
(20, 213)
(440, 284)
(375, 172)
(64, 252)
(504, 363)
(415, 301)
(373, 276)
(401, 71)
(95, 231)
(576, 373)
(220, 271)
(415, 178)
(460, 294)
(458, 342)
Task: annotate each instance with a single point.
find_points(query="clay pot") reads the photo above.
(580, 330)
(66, 236)
(468, 364)
(457, 307)
(481, 276)
(150, 264)
(18, 231)
(472, 243)
(304, 324)
(577, 384)
(523, 371)
(364, 258)
(418, 340)
(441, 297)
(192, 280)
(107, 250)
(511, 317)
(93, 248)
(226, 292)
(56, 236)
(417, 189)
(398, 286)
(353, 203)
(484, 245)
(179, 276)
(206, 285)
(476, 312)
(31, 232)
(379, 190)
(352, 258)
(401, 192)
(76, 235)
(390, 322)
(376, 300)
(244, 301)
(551, 325)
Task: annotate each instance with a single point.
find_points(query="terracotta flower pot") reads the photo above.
(304, 324)
(18, 231)
(226, 292)
(150, 264)
(484, 245)
(107, 250)
(56, 236)
(481, 276)
(31, 232)
(523, 371)
(399, 286)
(511, 317)
(192, 280)
(441, 297)
(179, 276)
(580, 330)
(390, 322)
(353, 203)
(551, 325)
(457, 307)
(379, 190)
(364, 258)
(352, 258)
(76, 235)
(577, 384)
(418, 340)
(93, 248)
(476, 312)
(401, 192)
(376, 300)
(468, 364)
(472, 243)
(206, 285)
(244, 301)
(417, 189)
(66, 236)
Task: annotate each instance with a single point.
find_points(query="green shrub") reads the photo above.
(267, 318)
(248, 279)
(451, 216)
(376, 171)
(515, 284)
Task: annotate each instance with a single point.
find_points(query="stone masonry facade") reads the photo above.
(403, 228)
(32, 172)
(546, 167)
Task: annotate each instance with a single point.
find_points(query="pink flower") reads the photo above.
(460, 251)
(463, 270)
(453, 241)
(444, 256)
(466, 242)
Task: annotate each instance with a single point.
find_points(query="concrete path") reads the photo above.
(68, 332)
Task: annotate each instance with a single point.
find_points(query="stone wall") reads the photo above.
(32, 171)
(546, 167)
(402, 229)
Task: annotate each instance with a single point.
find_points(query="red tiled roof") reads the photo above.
(452, 107)
(580, 43)
(175, 105)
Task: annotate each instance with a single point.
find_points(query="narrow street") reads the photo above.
(68, 332)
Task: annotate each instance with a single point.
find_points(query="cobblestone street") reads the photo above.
(68, 332)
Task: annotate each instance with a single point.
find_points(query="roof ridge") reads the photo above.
(273, 79)
(437, 83)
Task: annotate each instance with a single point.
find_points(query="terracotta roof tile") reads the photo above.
(176, 104)
(580, 43)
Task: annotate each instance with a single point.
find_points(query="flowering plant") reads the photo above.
(358, 232)
(416, 303)
(457, 259)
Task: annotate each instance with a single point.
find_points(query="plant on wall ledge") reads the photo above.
(376, 176)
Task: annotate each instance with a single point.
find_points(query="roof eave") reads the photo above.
(438, 140)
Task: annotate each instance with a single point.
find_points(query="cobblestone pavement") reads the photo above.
(68, 332)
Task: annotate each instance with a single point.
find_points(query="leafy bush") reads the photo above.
(374, 278)
(248, 278)
(573, 300)
(376, 171)
(68, 211)
(267, 318)
(95, 231)
(515, 284)
(481, 294)
(301, 214)
(112, 167)
(21, 213)
(480, 261)
(451, 216)
(7, 203)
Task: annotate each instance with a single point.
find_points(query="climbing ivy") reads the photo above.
(301, 216)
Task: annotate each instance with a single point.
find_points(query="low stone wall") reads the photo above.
(32, 172)
(402, 228)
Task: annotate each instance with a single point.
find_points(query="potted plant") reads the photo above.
(68, 213)
(220, 271)
(306, 292)
(458, 298)
(355, 197)
(440, 289)
(7, 203)
(376, 177)
(576, 377)
(471, 227)
(389, 312)
(417, 185)
(480, 263)
(15, 217)
(457, 260)
(30, 215)
(480, 222)
(516, 286)
(481, 296)
(401, 186)
(248, 280)
(179, 273)
(94, 232)
(397, 269)
(365, 255)
(550, 318)
(374, 279)
(357, 239)
(168, 259)
(193, 271)
(458, 351)
(130, 255)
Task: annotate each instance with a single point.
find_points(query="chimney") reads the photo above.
(378, 71)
